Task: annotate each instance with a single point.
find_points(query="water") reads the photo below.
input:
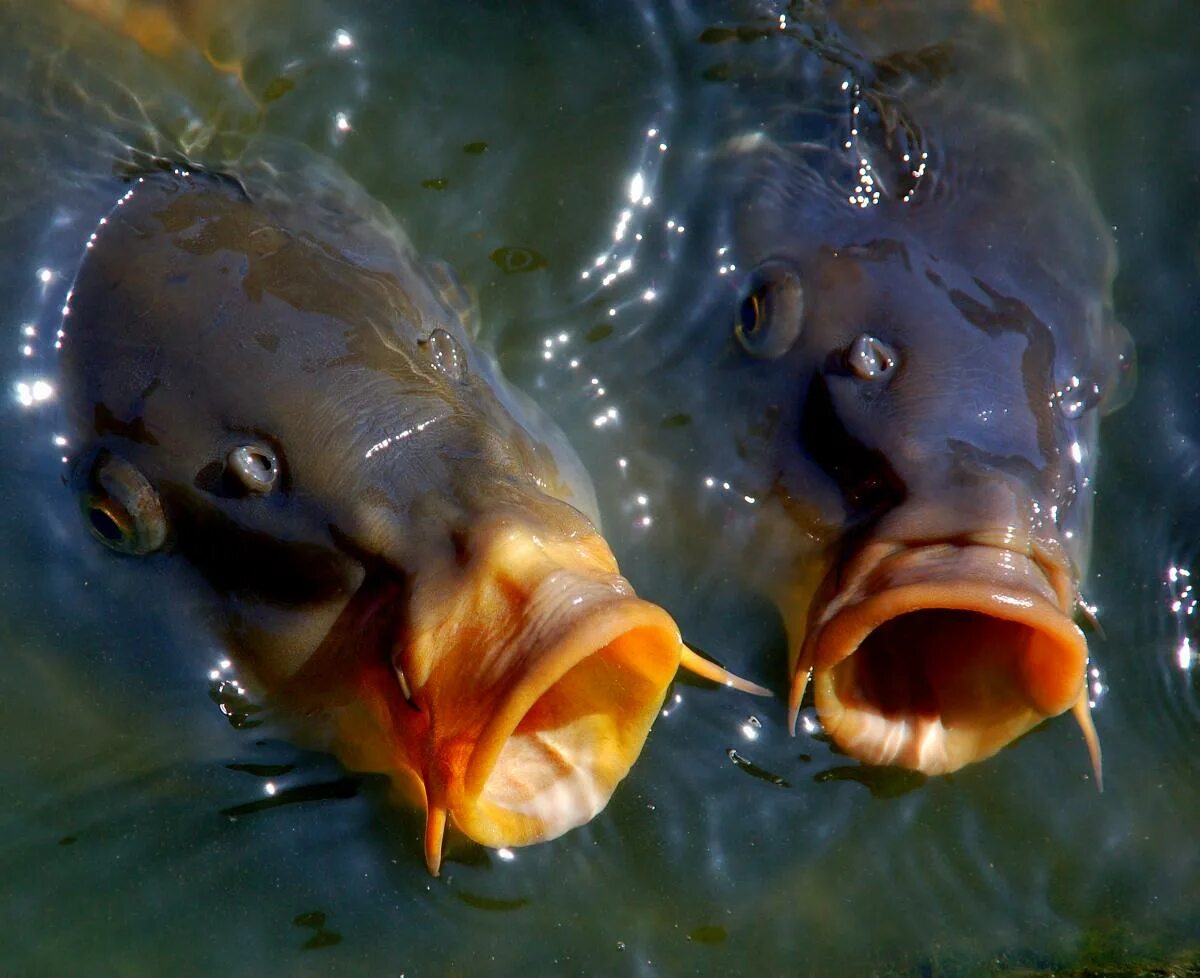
(147, 829)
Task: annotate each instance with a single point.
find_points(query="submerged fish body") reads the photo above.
(918, 342)
(272, 385)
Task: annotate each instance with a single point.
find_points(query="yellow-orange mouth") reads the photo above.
(936, 656)
(530, 675)
(575, 703)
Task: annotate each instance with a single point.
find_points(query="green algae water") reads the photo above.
(156, 820)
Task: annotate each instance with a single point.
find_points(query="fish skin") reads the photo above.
(419, 570)
(894, 183)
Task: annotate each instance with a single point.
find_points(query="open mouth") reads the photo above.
(521, 687)
(575, 705)
(935, 656)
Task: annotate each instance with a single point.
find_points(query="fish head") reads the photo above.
(385, 543)
(932, 398)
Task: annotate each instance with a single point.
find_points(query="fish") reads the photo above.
(904, 359)
(264, 380)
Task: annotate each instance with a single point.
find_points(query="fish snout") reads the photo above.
(533, 673)
(934, 654)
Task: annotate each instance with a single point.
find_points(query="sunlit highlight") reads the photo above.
(1185, 655)
(29, 393)
(379, 446)
(637, 187)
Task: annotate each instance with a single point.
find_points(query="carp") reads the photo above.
(266, 381)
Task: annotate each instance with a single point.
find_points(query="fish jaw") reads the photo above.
(532, 674)
(934, 656)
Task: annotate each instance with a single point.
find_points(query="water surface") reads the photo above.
(155, 822)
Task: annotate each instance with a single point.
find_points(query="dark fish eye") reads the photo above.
(869, 358)
(771, 315)
(254, 467)
(122, 509)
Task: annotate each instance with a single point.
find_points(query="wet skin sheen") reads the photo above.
(916, 346)
(275, 388)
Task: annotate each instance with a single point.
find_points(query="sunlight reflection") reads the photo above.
(1182, 601)
(1095, 686)
(29, 393)
(390, 440)
(809, 723)
(676, 700)
(1185, 655)
(637, 189)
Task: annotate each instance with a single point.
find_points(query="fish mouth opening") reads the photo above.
(937, 656)
(570, 732)
(536, 674)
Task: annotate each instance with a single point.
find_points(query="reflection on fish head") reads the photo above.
(944, 626)
(387, 544)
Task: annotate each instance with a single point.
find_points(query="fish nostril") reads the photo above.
(255, 467)
(870, 358)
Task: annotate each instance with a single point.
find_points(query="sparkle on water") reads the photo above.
(113, 744)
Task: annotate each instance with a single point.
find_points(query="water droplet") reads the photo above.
(446, 354)
(870, 358)
(233, 702)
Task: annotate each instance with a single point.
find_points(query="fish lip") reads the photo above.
(1007, 586)
(524, 733)
(622, 619)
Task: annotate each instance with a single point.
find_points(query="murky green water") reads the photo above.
(139, 834)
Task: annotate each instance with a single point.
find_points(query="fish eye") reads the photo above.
(254, 467)
(870, 358)
(122, 509)
(771, 315)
